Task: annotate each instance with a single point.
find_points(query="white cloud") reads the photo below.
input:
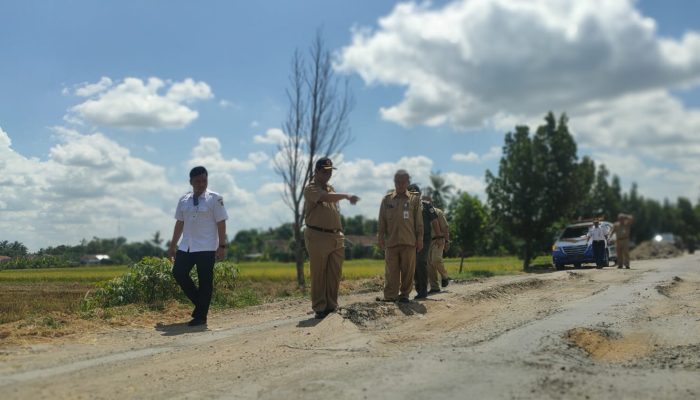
(470, 62)
(271, 188)
(89, 186)
(89, 89)
(208, 154)
(135, 104)
(654, 123)
(272, 136)
(254, 124)
(258, 157)
(188, 91)
(471, 157)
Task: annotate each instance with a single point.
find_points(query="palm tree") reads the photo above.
(439, 191)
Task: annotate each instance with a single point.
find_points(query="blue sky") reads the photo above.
(104, 106)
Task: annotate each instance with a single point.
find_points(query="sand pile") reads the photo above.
(651, 250)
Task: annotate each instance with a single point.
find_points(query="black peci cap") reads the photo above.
(324, 163)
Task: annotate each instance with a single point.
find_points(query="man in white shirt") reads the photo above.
(598, 234)
(201, 221)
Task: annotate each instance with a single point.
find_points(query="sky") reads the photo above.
(105, 106)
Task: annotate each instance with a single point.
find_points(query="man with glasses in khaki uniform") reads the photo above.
(324, 238)
(400, 236)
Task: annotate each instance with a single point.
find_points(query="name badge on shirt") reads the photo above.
(405, 214)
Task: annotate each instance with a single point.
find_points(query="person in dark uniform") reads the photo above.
(431, 227)
(324, 238)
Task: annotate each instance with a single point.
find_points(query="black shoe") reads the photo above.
(445, 282)
(628, 267)
(197, 322)
(434, 291)
(620, 267)
(321, 314)
(420, 296)
(404, 300)
(385, 300)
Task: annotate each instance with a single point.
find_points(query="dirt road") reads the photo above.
(569, 334)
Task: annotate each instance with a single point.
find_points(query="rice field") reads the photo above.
(37, 291)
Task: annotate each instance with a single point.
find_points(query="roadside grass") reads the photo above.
(483, 267)
(35, 293)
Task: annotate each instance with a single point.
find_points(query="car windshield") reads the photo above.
(572, 232)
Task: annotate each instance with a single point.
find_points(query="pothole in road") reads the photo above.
(675, 357)
(666, 288)
(363, 314)
(609, 346)
(501, 291)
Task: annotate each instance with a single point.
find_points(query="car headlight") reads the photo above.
(555, 247)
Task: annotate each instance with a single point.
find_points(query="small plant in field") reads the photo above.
(151, 282)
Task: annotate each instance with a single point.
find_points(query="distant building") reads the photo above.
(93, 258)
(5, 258)
(253, 256)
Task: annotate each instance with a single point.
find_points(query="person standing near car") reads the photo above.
(324, 238)
(597, 234)
(621, 229)
(201, 221)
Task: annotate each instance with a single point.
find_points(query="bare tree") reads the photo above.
(316, 125)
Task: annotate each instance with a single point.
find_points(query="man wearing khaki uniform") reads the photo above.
(621, 229)
(439, 244)
(324, 238)
(400, 235)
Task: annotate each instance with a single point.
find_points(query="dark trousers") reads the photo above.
(421, 275)
(200, 297)
(599, 253)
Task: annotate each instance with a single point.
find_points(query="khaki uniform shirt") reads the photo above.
(622, 232)
(400, 219)
(442, 221)
(321, 214)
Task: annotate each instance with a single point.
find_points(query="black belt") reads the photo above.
(316, 228)
(438, 237)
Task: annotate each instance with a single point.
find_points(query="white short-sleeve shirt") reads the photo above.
(598, 233)
(200, 232)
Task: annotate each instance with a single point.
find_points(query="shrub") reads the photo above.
(151, 282)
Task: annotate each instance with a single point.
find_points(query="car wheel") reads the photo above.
(559, 267)
(578, 265)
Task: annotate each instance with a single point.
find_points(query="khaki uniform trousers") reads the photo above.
(435, 263)
(399, 269)
(623, 252)
(326, 255)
